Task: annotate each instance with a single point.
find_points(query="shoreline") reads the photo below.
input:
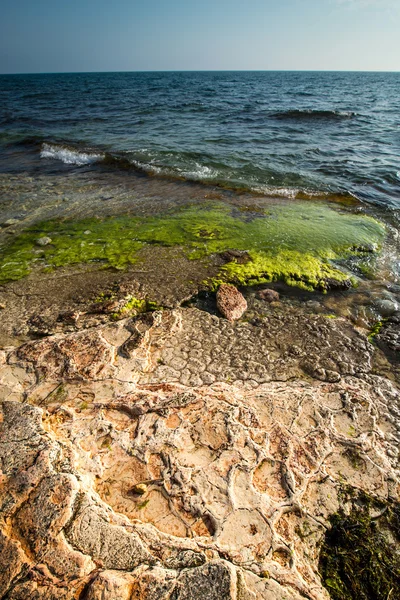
(175, 453)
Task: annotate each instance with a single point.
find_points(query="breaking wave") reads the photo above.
(69, 156)
(184, 167)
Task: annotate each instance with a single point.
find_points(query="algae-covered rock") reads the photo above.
(299, 243)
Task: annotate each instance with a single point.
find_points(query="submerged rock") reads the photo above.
(268, 295)
(239, 256)
(43, 241)
(331, 283)
(9, 223)
(386, 307)
(230, 302)
(363, 537)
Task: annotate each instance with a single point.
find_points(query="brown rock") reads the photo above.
(239, 256)
(268, 295)
(230, 302)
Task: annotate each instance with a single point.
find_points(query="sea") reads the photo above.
(289, 134)
(74, 145)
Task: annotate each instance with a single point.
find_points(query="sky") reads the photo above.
(39, 36)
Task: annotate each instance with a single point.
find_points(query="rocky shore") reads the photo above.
(178, 455)
(199, 395)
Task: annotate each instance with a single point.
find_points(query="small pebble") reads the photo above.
(140, 489)
(43, 241)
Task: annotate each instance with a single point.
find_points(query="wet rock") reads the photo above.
(316, 371)
(239, 256)
(43, 241)
(268, 295)
(386, 307)
(388, 338)
(105, 308)
(333, 284)
(230, 302)
(9, 223)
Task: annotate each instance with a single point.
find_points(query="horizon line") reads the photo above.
(200, 71)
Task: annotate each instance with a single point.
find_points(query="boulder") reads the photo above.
(230, 302)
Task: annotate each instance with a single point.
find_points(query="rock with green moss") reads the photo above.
(302, 244)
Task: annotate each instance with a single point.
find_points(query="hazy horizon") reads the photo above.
(200, 71)
(95, 36)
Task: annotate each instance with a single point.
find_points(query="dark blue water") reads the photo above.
(285, 133)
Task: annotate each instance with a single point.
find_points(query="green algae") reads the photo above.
(134, 306)
(108, 241)
(294, 268)
(294, 242)
(359, 558)
(374, 331)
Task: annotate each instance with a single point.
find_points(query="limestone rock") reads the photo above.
(181, 456)
(230, 302)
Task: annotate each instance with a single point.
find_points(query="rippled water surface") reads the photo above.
(278, 133)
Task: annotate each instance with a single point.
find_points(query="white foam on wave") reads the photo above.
(200, 172)
(291, 193)
(276, 191)
(69, 156)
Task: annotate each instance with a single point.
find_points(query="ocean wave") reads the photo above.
(309, 114)
(181, 167)
(200, 172)
(69, 156)
(284, 192)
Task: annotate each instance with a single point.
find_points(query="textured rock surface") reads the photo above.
(230, 302)
(180, 456)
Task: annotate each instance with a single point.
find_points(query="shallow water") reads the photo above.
(77, 146)
(278, 133)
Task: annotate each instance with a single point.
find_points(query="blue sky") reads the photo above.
(126, 35)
